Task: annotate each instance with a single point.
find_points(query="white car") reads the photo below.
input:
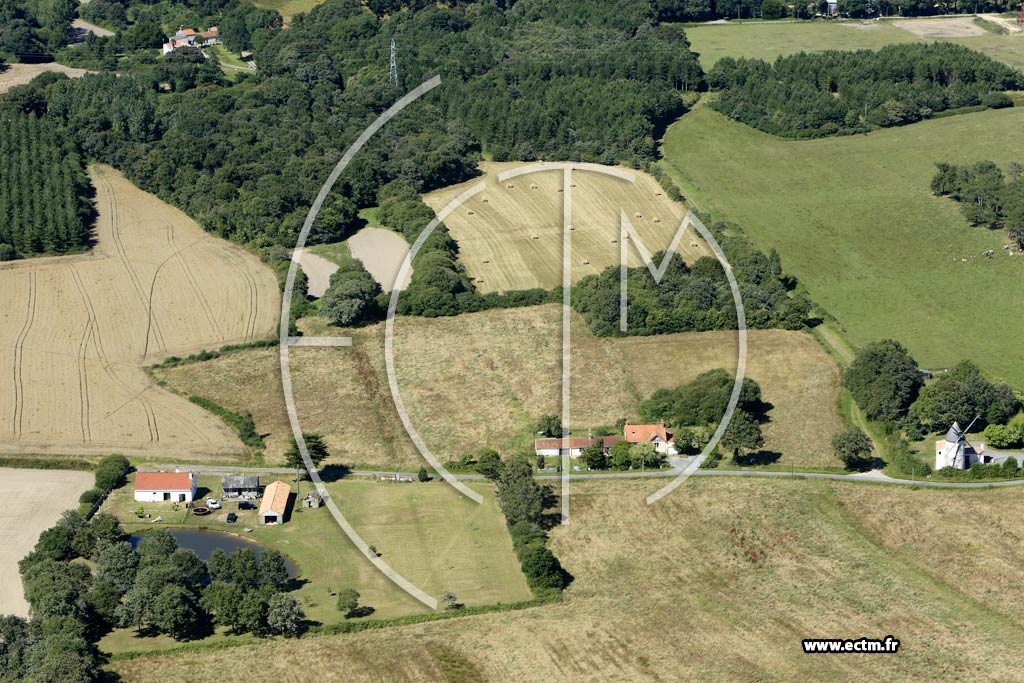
(213, 503)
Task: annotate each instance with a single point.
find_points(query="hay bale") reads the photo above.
(657, 220)
(533, 186)
(615, 241)
(638, 215)
(485, 200)
(535, 237)
(586, 262)
(487, 260)
(471, 213)
(510, 186)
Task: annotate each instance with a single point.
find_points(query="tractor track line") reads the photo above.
(19, 355)
(193, 283)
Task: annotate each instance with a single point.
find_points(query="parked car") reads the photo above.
(213, 503)
(232, 518)
(245, 505)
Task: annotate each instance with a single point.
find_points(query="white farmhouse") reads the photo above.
(156, 487)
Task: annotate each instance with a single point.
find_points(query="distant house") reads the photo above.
(275, 503)
(240, 485)
(188, 37)
(155, 487)
(955, 451)
(654, 433)
(574, 445)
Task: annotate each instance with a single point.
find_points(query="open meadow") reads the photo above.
(854, 219)
(510, 235)
(75, 332)
(719, 582)
(766, 40)
(482, 380)
(429, 533)
(33, 502)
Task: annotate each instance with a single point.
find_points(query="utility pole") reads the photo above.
(393, 75)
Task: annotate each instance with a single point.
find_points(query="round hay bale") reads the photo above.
(510, 186)
(471, 213)
(533, 186)
(487, 260)
(586, 262)
(657, 220)
(638, 215)
(615, 241)
(485, 200)
(535, 237)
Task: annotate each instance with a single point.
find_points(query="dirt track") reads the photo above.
(75, 331)
(33, 501)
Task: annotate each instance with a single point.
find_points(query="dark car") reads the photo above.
(232, 518)
(245, 505)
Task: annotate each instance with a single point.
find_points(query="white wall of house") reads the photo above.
(150, 496)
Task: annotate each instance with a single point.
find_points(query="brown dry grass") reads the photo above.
(952, 27)
(484, 379)
(511, 237)
(20, 74)
(32, 502)
(76, 330)
(719, 582)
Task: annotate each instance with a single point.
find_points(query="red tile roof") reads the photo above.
(642, 433)
(163, 481)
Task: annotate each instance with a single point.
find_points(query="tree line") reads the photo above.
(839, 92)
(45, 194)
(702, 10)
(987, 196)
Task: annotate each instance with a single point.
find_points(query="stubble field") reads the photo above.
(75, 332)
(718, 582)
(33, 501)
(510, 235)
(20, 74)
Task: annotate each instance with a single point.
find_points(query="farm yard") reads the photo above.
(482, 380)
(770, 40)
(735, 560)
(429, 533)
(510, 235)
(33, 501)
(77, 330)
(854, 219)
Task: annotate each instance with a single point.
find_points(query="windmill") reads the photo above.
(955, 450)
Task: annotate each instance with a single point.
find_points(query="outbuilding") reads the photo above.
(275, 503)
(156, 487)
(240, 485)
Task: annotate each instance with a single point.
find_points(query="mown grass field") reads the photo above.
(482, 380)
(854, 219)
(429, 533)
(719, 582)
(288, 8)
(770, 40)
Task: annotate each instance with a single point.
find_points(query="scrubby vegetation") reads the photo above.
(834, 92)
(44, 192)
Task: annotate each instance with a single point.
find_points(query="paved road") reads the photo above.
(873, 477)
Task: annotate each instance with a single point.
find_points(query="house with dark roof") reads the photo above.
(574, 445)
(155, 487)
(240, 485)
(651, 433)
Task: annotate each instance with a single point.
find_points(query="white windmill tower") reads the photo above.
(955, 450)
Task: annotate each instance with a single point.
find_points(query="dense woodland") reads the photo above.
(987, 196)
(814, 95)
(44, 192)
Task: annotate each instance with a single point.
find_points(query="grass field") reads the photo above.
(75, 331)
(510, 235)
(854, 219)
(719, 582)
(288, 8)
(483, 380)
(770, 40)
(33, 501)
(429, 533)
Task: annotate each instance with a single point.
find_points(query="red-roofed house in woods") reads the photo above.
(574, 444)
(154, 487)
(655, 434)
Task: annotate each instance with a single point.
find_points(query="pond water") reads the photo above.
(205, 542)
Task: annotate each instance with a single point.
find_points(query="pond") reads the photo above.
(205, 542)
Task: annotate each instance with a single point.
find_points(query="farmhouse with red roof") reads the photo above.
(154, 487)
(653, 433)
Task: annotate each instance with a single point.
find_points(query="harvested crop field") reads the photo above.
(718, 582)
(483, 379)
(33, 501)
(20, 74)
(75, 332)
(510, 235)
(953, 27)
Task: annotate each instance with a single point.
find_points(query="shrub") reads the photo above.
(90, 497)
(110, 472)
(996, 100)
(1002, 436)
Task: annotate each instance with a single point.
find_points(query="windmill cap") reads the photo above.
(954, 433)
